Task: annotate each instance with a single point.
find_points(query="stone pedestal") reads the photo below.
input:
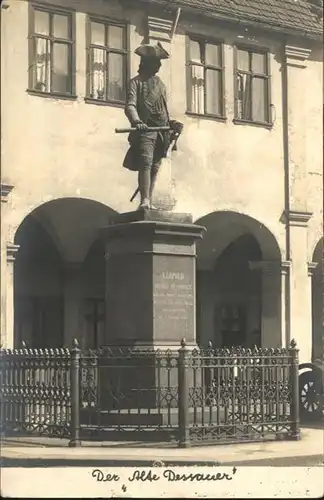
(151, 293)
(150, 281)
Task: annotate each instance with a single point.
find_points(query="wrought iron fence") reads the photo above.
(191, 396)
(36, 391)
(129, 393)
(240, 394)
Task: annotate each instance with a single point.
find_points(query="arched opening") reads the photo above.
(38, 289)
(59, 280)
(238, 291)
(238, 283)
(318, 303)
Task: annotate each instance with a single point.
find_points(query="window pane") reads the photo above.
(98, 33)
(98, 74)
(41, 22)
(213, 92)
(212, 54)
(42, 65)
(195, 51)
(116, 90)
(243, 60)
(259, 63)
(115, 37)
(60, 71)
(259, 100)
(61, 26)
(196, 90)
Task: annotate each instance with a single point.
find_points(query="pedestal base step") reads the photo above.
(152, 216)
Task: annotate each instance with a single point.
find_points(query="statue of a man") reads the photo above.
(146, 106)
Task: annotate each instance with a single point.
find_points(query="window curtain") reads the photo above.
(98, 74)
(197, 89)
(244, 96)
(42, 65)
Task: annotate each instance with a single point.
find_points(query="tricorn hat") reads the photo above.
(152, 51)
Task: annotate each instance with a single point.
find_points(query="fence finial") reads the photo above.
(210, 344)
(183, 342)
(293, 344)
(75, 343)
(23, 344)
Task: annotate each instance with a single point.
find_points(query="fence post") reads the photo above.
(295, 397)
(75, 395)
(183, 383)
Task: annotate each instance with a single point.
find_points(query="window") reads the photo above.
(252, 86)
(95, 323)
(51, 55)
(205, 78)
(107, 61)
(233, 325)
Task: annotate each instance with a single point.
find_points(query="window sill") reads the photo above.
(98, 102)
(239, 121)
(52, 95)
(207, 116)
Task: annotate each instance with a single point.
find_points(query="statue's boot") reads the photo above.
(144, 181)
(154, 173)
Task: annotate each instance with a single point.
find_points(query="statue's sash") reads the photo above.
(155, 95)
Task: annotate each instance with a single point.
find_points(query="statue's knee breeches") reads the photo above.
(146, 150)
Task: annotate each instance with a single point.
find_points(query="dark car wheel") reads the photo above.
(310, 397)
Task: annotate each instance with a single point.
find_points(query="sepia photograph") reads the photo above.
(162, 277)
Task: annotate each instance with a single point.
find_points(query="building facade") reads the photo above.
(246, 82)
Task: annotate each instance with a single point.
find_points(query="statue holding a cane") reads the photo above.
(152, 131)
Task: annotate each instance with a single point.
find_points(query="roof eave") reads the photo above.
(310, 35)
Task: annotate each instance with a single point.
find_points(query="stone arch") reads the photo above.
(235, 224)
(70, 211)
(50, 279)
(238, 278)
(318, 251)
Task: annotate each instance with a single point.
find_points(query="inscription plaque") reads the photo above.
(173, 298)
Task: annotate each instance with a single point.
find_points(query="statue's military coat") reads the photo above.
(146, 102)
